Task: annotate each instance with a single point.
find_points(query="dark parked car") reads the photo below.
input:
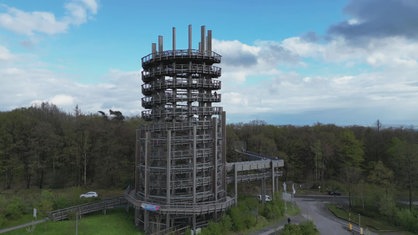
(334, 193)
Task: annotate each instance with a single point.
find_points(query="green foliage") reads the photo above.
(244, 215)
(305, 228)
(291, 229)
(351, 150)
(212, 228)
(274, 209)
(309, 227)
(46, 203)
(380, 175)
(3, 204)
(14, 209)
(237, 220)
(44, 147)
(2, 220)
(226, 222)
(387, 206)
(407, 219)
(405, 162)
(114, 222)
(248, 214)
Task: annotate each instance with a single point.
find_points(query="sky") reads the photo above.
(297, 62)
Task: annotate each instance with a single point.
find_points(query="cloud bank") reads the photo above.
(361, 70)
(28, 23)
(378, 19)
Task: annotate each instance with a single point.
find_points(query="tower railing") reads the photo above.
(178, 54)
(148, 88)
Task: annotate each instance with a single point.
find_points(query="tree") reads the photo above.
(9, 163)
(262, 145)
(406, 156)
(351, 156)
(351, 151)
(319, 161)
(233, 144)
(380, 175)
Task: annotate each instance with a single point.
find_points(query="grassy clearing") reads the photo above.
(114, 222)
(17, 205)
(364, 220)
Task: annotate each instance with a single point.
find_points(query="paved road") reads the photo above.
(325, 222)
(314, 209)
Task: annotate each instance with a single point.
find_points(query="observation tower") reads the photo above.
(180, 167)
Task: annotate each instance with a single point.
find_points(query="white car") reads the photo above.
(89, 195)
(267, 198)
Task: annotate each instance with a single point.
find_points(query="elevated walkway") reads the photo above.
(87, 208)
(258, 167)
(185, 209)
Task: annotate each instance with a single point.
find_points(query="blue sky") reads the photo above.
(346, 62)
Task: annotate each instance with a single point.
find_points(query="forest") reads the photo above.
(47, 148)
(44, 147)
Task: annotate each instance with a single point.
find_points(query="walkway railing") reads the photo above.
(187, 209)
(88, 208)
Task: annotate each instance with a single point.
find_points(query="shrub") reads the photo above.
(245, 214)
(291, 229)
(212, 228)
(237, 219)
(305, 228)
(387, 206)
(226, 222)
(407, 219)
(46, 202)
(274, 209)
(308, 228)
(2, 220)
(15, 209)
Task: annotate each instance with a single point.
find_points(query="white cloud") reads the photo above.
(392, 52)
(92, 5)
(63, 100)
(29, 23)
(5, 54)
(78, 11)
(34, 83)
(377, 80)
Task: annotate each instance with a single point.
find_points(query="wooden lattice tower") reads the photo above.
(180, 176)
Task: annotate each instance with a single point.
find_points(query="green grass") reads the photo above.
(114, 222)
(365, 221)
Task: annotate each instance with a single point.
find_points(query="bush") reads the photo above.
(309, 228)
(387, 206)
(305, 228)
(2, 220)
(245, 214)
(46, 203)
(226, 222)
(212, 228)
(274, 209)
(3, 204)
(407, 220)
(15, 209)
(237, 219)
(291, 229)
